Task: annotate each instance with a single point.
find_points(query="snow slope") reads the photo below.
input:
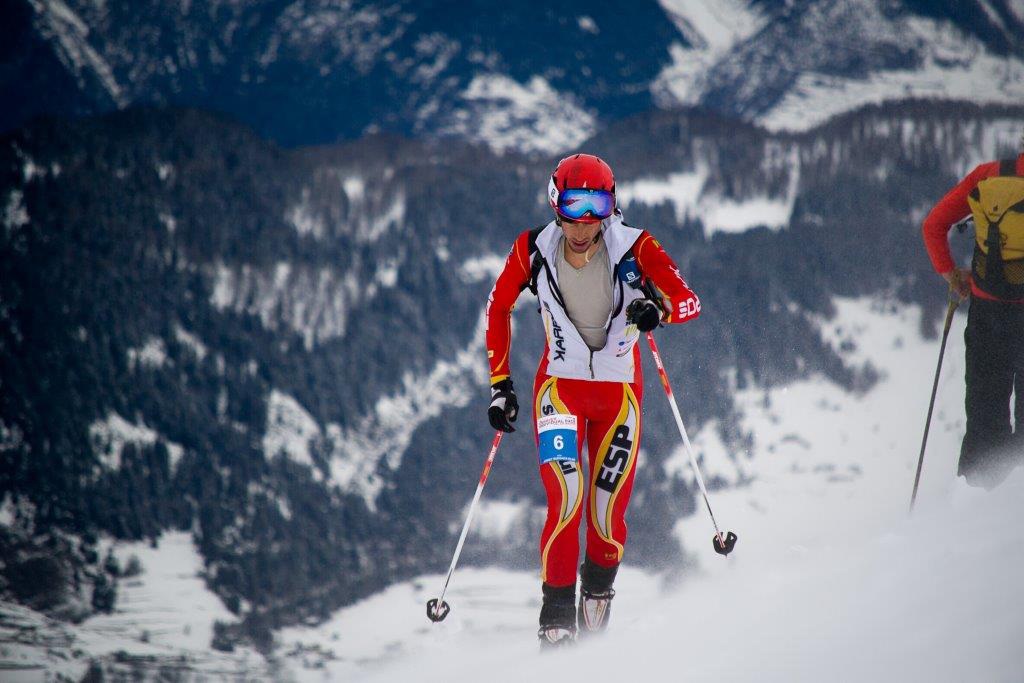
(933, 598)
(162, 626)
(830, 579)
(168, 602)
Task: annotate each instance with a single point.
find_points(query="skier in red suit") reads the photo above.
(583, 266)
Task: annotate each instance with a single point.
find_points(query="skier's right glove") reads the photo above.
(643, 313)
(504, 406)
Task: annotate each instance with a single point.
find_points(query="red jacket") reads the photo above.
(952, 209)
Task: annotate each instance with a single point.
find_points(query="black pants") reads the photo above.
(995, 365)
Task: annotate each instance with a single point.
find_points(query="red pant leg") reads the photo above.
(563, 484)
(613, 441)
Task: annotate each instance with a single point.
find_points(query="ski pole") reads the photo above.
(437, 608)
(954, 301)
(723, 544)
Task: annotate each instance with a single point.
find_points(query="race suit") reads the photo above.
(583, 394)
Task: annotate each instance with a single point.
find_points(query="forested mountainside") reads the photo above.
(281, 350)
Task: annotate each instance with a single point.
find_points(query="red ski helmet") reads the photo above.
(582, 172)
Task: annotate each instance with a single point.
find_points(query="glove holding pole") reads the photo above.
(643, 313)
(504, 406)
(437, 608)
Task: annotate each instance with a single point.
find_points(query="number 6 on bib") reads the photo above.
(557, 438)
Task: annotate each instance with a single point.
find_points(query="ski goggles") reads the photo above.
(576, 204)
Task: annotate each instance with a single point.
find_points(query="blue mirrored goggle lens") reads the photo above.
(578, 203)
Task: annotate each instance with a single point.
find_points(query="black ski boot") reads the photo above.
(557, 617)
(595, 597)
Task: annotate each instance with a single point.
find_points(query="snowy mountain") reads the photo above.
(534, 78)
(280, 351)
(793, 65)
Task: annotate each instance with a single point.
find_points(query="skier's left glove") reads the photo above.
(643, 313)
(504, 406)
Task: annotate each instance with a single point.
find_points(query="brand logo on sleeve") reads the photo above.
(689, 308)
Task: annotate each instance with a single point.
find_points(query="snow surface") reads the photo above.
(480, 268)
(387, 273)
(934, 597)
(713, 29)
(499, 519)
(1017, 7)
(849, 458)
(174, 453)
(169, 222)
(191, 341)
(152, 354)
(164, 170)
(15, 215)
(374, 223)
(354, 187)
(110, 435)
(831, 579)
(587, 23)
(290, 429)
(55, 19)
(163, 623)
(304, 220)
(169, 601)
(714, 26)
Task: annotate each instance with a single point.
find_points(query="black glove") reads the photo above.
(643, 313)
(504, 406)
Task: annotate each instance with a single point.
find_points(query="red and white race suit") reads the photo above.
(584, 395)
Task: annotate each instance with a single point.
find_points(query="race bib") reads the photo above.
(557, 438)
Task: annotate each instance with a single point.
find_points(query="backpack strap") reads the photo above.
(536, 260)
(994, 279)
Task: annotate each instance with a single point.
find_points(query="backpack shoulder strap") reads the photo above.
(628, 270)
(536, 260)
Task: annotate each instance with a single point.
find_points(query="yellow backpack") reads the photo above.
(997, 204)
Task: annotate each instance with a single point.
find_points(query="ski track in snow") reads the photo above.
(830, 574)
